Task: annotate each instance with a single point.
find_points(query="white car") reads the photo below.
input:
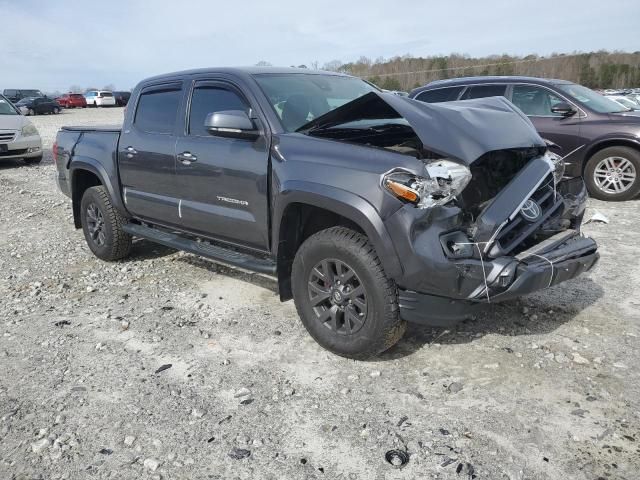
(100, 98)
(624, 101)
(18, 137)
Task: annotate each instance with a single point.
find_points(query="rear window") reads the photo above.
(157, 110)
(76, 95)
(439, 95)
(10, 93)
(482, 91)
(106, 94)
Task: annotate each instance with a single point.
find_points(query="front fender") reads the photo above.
(343, 203)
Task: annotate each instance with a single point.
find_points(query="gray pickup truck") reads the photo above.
(371, 209)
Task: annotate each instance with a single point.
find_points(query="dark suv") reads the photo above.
(598, 138)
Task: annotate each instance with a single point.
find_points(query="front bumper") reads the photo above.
(21, 147)
(439, 286)
(560, 258)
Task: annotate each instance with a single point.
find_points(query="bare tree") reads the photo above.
(263, 63)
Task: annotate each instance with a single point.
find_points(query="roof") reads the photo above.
(490, 79)
(244, 71)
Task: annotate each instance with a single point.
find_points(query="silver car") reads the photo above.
(19, 138)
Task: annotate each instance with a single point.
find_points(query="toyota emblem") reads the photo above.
(531, 211)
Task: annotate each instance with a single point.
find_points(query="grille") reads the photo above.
(6, 137)
(518, 230)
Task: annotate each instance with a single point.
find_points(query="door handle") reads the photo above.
(131, 152)
(187, 158)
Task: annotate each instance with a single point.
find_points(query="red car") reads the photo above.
(72, 100)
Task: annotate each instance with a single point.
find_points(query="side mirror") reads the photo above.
(232, 124)
(564, 109)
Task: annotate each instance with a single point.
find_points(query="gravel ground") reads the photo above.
(542, 388)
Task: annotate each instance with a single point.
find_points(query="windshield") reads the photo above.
(6, 108)
(591, 99)
(298, 98)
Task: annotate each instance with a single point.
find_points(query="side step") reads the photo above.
(212, 252)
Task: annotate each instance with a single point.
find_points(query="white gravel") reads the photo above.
(543, 388)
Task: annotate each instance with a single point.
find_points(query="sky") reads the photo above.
(52, 45)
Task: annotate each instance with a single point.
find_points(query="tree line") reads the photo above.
(598, 70)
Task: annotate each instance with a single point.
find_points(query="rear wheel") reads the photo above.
(613, 174)
(343, 297)
(56, 110)
(102, 225)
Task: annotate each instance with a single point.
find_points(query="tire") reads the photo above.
(56, 110)
(33, 160)
(102, 225)
(95, 105)
(31, 112)
(365, 321)
(621, 162)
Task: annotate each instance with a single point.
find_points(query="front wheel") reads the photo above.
(343, 297)
(102, 225)
(613, 174)
(56, 110)
(31, 112)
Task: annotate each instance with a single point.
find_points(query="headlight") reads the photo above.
(443, 181)
(557, 164)
(29, 130)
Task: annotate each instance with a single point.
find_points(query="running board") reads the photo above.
(212, 252)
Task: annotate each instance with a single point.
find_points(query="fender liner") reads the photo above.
(344, 203)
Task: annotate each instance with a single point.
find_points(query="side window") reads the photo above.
(157, 110)
(209, 99)
(440, 95)
(535, 101)
(482, 91)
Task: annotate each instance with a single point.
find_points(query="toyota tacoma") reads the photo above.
(370, 209)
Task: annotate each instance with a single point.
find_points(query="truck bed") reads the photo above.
(93, 128)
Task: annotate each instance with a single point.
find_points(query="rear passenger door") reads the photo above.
(223, 181)
(146, 154)
(536, 102)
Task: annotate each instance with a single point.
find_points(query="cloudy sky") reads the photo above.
(52, 45)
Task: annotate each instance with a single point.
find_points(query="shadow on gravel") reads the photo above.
(10, 164)
(146, 250)
(552, 308)
(256, 279)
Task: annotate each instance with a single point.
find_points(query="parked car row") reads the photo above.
(598, 138)
(34, 102)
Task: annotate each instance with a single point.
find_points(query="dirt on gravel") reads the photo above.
(168, 366)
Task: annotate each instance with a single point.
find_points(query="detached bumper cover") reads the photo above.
(549, 263)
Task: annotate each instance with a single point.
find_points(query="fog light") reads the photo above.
(33, 149)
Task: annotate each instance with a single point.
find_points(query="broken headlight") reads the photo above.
(443, 181)
(557, 165)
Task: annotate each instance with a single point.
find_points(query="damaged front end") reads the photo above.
(487, 216)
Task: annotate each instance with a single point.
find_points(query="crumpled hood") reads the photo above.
(464, 130)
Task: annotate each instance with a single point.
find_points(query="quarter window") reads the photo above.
(210, 99)
(157, 110)
(535, 101)
(439, 95)
(482, 91)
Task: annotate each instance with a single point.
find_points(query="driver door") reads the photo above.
(536, 103)
(223, 181)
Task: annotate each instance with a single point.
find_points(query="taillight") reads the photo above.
(55, 153)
